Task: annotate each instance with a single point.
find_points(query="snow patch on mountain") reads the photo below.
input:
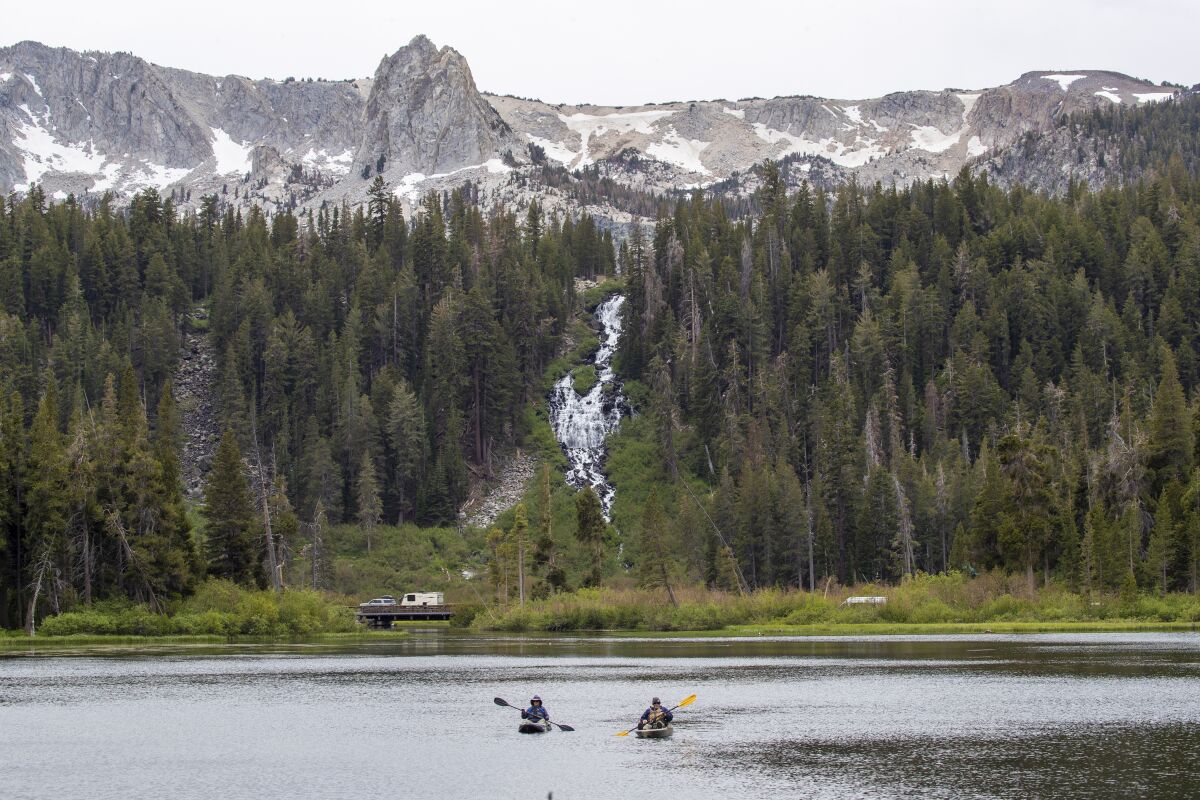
(33, 82)
(556, 150)
(829, 148)
(150, 174)
(931, 139)
(684, 153)
(411, 186)
(5, 77)
(108, 178)
(1110, 92)
(968, 101)
(43, 153)
(1064, 81)
(589, 125)
(232, 157)
(740, 113)
(135, 177)
(1153, 97)
(338, 164)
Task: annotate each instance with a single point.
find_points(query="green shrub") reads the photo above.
(206, 623)
(73, 623)
(218, 608)
(584, 378)
(464, 614)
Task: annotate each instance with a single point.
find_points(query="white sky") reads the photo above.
(631, 51)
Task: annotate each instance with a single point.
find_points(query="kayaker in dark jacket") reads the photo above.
(655, 716)
(536, 710)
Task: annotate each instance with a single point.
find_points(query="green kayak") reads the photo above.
(656, 733)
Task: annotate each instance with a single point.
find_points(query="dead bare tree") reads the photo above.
(40, 569)
(116, 527)
(264, 500)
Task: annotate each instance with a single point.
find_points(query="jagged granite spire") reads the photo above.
(424, 114)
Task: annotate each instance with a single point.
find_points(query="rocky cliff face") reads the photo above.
(426, 116)
(89, 123)
(896, 138)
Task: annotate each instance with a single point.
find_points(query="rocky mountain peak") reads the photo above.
(425, 115)
(87, 123)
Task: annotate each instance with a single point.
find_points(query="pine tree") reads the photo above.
(370, 509)
(407, 435)
(545, 553)
(518, 536)
(231, 535)
(590, 531)
(12, 454)
(656, 547)
(1169, 451)
(498, 564)
(1160, 553)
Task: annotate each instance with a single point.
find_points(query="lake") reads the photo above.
(1068, 716)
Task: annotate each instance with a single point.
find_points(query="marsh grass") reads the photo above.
(932, 603)
(218, 609)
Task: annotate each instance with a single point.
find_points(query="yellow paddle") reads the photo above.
(687, 701)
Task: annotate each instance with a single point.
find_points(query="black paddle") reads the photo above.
(500, 701)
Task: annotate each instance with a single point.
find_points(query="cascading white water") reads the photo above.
(581, 424)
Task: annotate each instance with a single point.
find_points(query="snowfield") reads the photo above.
(42, 153)
(932, 140)
(232, 157)
(683, 153)
(338, 164)
(555, 150)
(830, 148)
(589, 125)
(1064, 81)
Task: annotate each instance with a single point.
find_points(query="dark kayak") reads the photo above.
(533, 727)
(656, 733)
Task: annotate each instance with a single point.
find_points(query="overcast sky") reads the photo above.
(634, 51)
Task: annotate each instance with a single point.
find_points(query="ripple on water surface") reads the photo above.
(1050, 716)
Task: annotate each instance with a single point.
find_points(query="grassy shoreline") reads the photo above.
(924, 604)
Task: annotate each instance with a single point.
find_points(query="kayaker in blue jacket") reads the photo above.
(655, 716)
(536, 710)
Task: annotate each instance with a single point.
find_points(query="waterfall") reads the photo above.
(581, 424)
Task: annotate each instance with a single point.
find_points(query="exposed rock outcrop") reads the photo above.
(195, 386)
(489, 501)
(425, 115)
(88, 123)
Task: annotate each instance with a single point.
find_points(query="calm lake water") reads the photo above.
(1066, 716)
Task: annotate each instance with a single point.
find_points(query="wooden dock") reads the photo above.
(384, 616)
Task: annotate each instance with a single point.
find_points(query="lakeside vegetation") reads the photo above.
(218, 609)
(923, 604)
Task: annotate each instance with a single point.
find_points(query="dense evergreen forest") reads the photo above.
(851, 386)
(367, 367)
(950, 376)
